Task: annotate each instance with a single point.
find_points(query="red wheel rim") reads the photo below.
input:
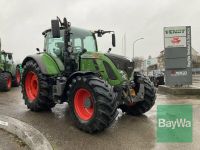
(31, 86)
(84, 104)
(18, 77)
(9, 82)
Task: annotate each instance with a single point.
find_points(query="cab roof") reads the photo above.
(72, 28)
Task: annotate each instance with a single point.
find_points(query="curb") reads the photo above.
(31, 136)
(179, 91)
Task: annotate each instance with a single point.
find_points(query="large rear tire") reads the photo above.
(5, 82)
(17, 79)
(142, 107)
(92, 102)
(35, 88)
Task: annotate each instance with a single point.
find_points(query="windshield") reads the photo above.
(4, 58)
(81, 39)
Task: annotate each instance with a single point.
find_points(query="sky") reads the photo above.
(23, 21)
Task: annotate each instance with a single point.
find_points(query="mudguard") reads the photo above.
(48, 64)
(72, 76)
(14, 68)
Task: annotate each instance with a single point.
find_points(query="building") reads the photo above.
(195, 59)
(149, 65)
(161, 61)
(158, 63)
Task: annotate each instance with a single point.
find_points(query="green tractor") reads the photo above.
(95, 85)
(9, 72)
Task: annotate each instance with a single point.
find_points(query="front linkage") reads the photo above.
(137, 96)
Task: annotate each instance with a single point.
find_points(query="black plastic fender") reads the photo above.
(38, 60)
(47, 64)
(72, 76)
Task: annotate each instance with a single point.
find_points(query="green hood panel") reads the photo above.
(53, 64)
(91, 61)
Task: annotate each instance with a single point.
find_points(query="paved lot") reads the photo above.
(126, 133)
(10, 142)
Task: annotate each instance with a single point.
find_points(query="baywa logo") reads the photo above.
(178, 123)
(174, 123)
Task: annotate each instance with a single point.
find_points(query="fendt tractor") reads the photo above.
(95, 85)
(9, 72)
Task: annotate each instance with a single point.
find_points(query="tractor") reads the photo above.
(71, 69)
(9, 72)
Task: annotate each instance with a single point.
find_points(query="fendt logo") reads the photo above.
(178, 31)
(176, 40)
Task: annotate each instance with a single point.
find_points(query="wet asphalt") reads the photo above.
(127, 133)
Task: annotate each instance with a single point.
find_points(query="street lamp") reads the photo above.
(134, 45)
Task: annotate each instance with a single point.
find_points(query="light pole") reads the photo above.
(134, 45)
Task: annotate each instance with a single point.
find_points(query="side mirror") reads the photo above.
(10, 56)
(113, 40)
(109, 50)
(55, 28)
(37, 49)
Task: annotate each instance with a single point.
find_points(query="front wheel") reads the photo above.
(92, 103)
(17, 78)
(141, 107)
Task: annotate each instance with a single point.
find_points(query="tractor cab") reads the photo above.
(80, 40)
(7, 57)
(6, 60)
(69, 44)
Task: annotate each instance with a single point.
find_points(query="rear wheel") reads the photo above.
(35, 89)
(92, 103)
(17, 78)
(5, 82)
(141, 107)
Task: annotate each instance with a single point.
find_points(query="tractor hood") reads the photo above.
(121, 63)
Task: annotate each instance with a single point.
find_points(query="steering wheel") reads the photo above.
(78, 48)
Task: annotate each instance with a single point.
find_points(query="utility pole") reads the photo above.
(124, 44)
(0, 44)
(134, 45)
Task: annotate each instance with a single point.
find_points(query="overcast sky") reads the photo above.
(22, 22)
